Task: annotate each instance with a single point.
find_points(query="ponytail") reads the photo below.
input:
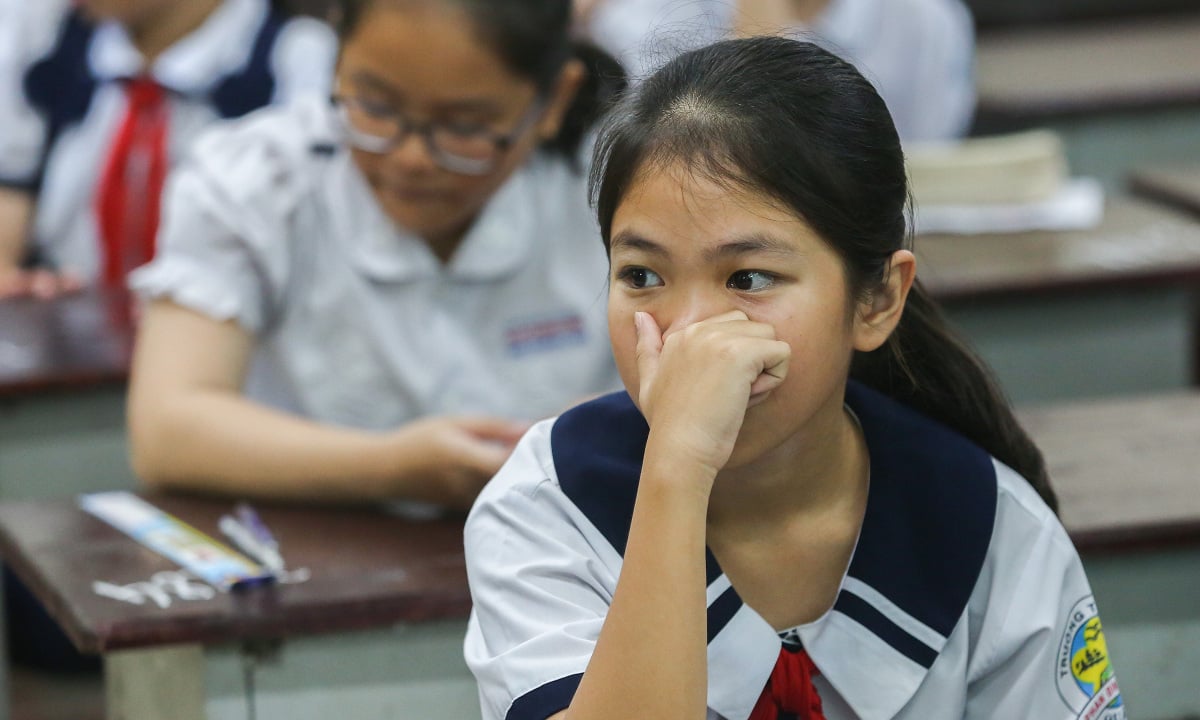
(605, 82)
(926, 366)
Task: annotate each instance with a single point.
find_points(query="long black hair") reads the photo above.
(533, 39)
(791, 120)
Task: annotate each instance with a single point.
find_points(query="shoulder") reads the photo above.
(303, 55)
(268, 159)
(588, 460)
(931, 509)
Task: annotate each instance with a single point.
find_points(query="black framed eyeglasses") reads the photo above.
(466, 149)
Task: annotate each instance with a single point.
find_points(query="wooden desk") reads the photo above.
(1127, 472)
(1041, 72)
(1062, 315)
(1122, 92)
(1174, 185)
(63, 366)
(70, 343)
(379, 625)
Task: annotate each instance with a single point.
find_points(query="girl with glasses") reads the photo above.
(368, 296)
(811, 502)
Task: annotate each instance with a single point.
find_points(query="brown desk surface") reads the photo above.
(75, 341)
(369, 570)
(1138, 244)
(1039, 72)
(1127, 470)
(1178, 186)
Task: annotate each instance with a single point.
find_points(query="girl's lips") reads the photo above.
(416, 194)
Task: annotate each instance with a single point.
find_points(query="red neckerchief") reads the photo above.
(790, 692)
(127, 199)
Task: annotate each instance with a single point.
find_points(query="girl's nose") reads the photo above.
(690, 309)
(412, 153)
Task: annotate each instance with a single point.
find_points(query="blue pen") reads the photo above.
(252, 536)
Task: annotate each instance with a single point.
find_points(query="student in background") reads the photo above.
(369, 298)
(97, 100)
(812, 502)
(919, 54)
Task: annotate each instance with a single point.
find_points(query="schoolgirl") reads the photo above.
(370, 298)
(811, 501)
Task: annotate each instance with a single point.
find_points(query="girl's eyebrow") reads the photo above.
(629, 240)
(752, 244)
(372, 83)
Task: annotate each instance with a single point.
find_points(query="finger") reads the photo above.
(482, 456)
(70, 282)
(649, 347)
(43, 284)
(14, 284)
(731, 316)
(494, 430)
(775, 359)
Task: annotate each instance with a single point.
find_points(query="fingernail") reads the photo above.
(639, 319)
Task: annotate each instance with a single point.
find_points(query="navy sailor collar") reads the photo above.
(930, 512)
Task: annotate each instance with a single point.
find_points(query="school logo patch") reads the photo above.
(1085, 677)
(535, 335)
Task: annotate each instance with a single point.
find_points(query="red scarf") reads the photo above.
(127, 199)
(790, 691)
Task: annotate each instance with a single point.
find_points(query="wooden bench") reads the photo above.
(1174, 185)
(1121, 92)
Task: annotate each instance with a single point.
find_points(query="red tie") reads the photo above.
(790, 692)
(128, 197)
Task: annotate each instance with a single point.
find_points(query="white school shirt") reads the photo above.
(919, 54)
(964, 598)
(62, 102)
(270, 223)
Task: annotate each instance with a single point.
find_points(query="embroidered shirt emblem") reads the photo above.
(1084, 674)
(544, 334)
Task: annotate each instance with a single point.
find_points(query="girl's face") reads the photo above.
(421, 60)
(685, 249)
(128, 12)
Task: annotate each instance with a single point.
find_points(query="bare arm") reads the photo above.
(758, 17)
(16, 213)
(190, 427)
(16, 207)
(651, 658)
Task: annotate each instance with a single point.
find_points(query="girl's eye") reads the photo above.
(750, 280)
(640, 277)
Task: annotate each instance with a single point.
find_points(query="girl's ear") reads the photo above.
(877, 316)
(570, 79)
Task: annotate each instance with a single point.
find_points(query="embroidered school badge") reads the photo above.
(1085, 677)
(543, 334)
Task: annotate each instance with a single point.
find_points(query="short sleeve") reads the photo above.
(1045, 656)
(919, 54)
(540, 590)
(229, 210)
(303, 59)
(28, 31)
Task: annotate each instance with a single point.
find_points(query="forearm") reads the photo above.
(651, 657)
(16, 208)
(757, 17)
(219, 442)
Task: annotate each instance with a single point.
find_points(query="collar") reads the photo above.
(496, 247)
(925, 535)
(195, 63)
